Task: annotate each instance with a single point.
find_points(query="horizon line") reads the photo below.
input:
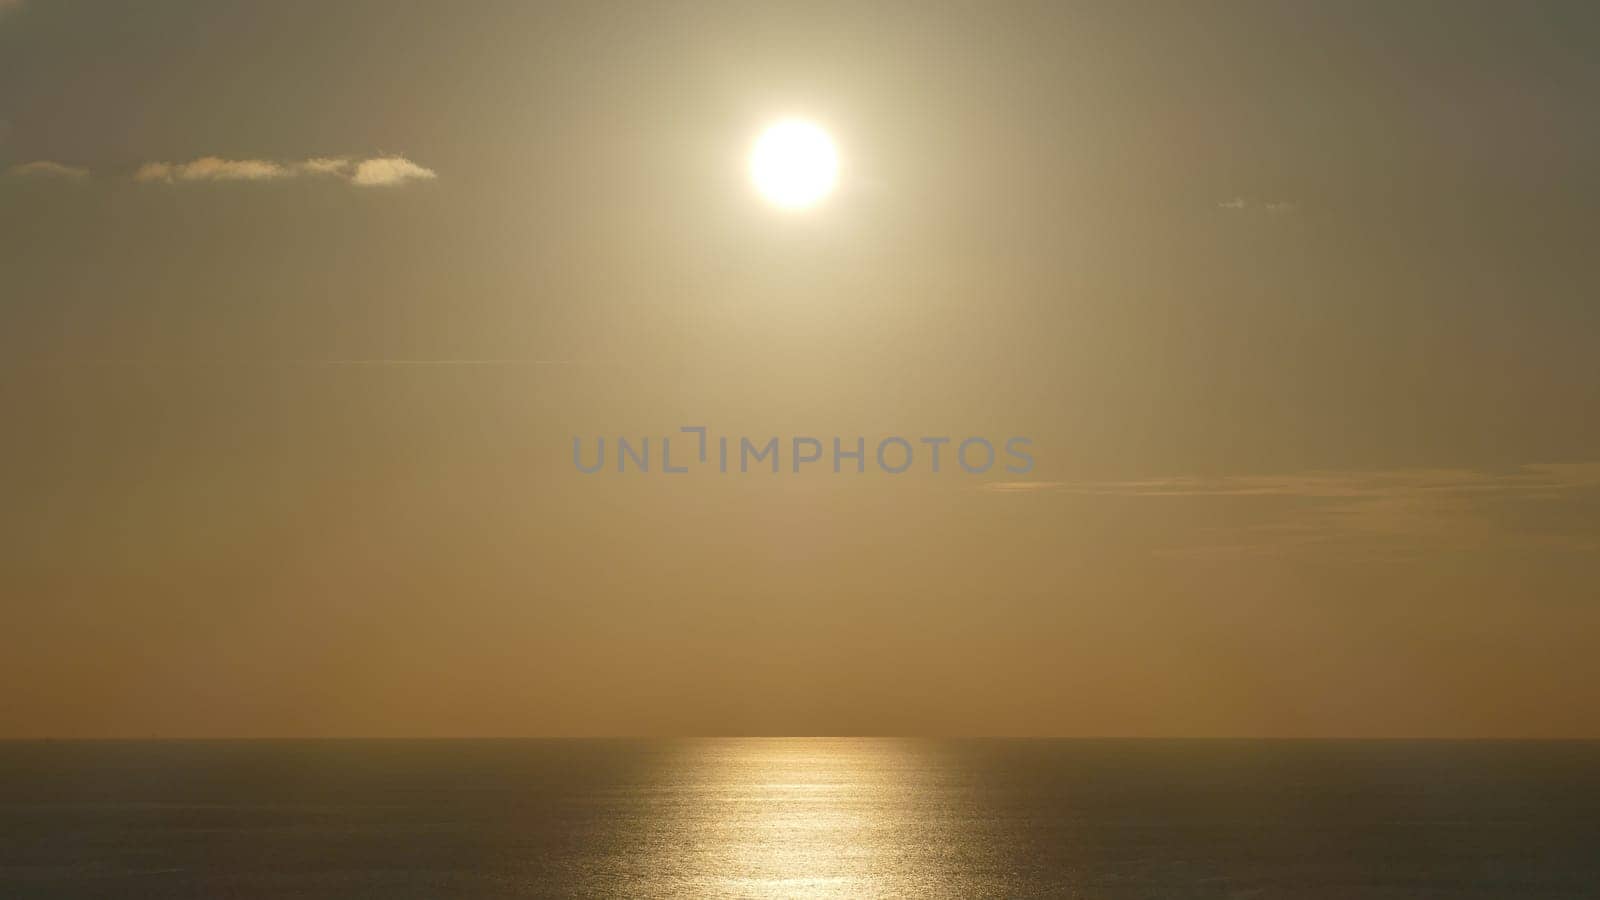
(792, 737)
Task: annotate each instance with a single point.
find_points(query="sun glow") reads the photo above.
(794, 164)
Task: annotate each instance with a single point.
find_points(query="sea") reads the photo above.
(800, 818)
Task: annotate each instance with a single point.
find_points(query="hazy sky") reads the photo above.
(1298, 303)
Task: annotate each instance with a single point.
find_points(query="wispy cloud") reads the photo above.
(1393, 513)
(390, 170)
(376, 172)
(47, 169)
(1528, 478)
(1245, 204)
(1023, 487)
(325, 166)
(212, 168)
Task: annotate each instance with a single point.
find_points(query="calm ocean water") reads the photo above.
(840, 818)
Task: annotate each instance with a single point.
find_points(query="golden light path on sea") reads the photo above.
(811, 818)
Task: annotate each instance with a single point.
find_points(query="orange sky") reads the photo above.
(302, 305)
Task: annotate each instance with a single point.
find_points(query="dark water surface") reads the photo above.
(847, 818)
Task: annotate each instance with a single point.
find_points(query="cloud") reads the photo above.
(1378, 514)
(1023, 487)
(1533, 478)
(212, 168)
(325, 166)
(389, 170)
(47, 169)
(1272, 207)
(376, 172)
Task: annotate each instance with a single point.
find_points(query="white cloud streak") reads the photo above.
(212, 168)
(390, 170)
(47, 169)
(325, 166)
(1272, 207)
(386, 171)
(1390, 514)
(1332, 485)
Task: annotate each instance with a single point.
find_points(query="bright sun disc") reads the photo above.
(794, 164)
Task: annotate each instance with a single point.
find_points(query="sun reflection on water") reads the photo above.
(802, 819)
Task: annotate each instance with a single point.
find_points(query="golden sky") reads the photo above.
(302, 305)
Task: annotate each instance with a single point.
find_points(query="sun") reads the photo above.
(794, 164)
